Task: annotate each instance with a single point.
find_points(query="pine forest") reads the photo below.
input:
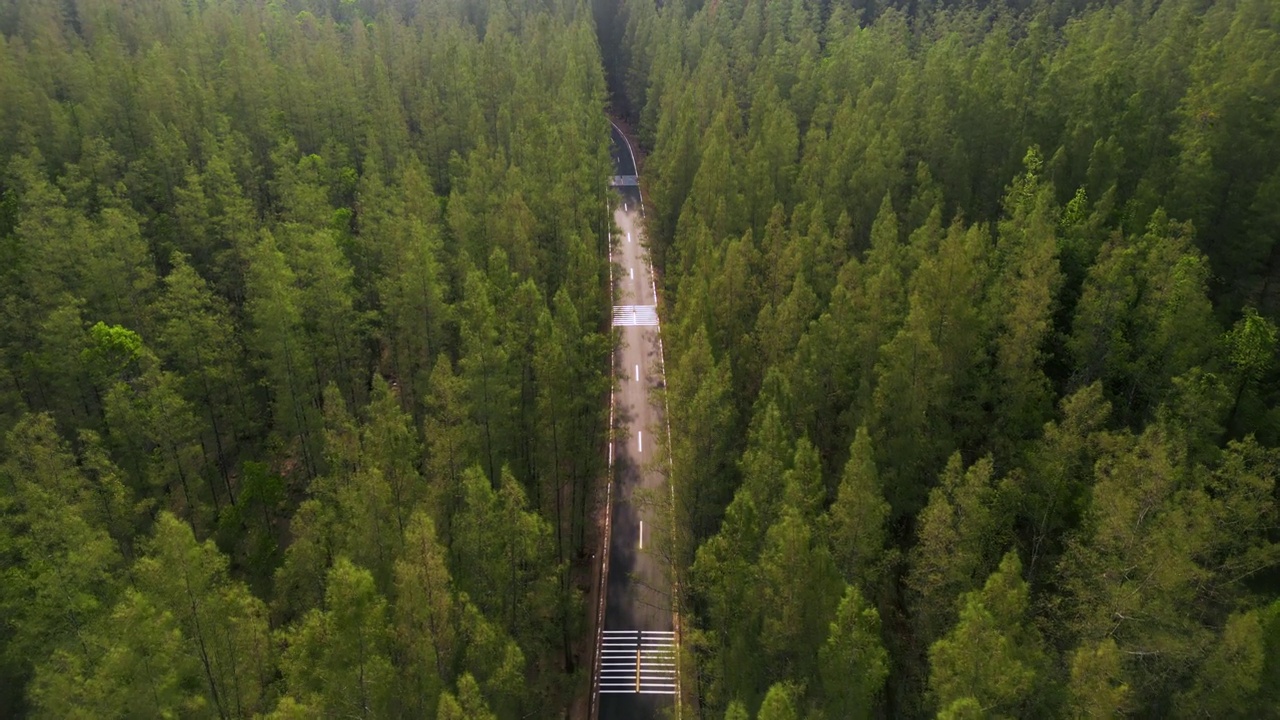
(971, 391)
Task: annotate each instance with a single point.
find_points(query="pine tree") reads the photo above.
(1097, 684)
(698, 394)
(800, 589)
(724, 576)
(357, 515)
(857, 517)
(135, 661)
(469, 704)
(852, 661)
(333, 329)
(993, 655)
(1029, 279)
(504, 554)
(450, 442)
(494, 659)
(425, 634)
(1143, 317)
(780, 703)
(336, 660)
(910, 385)
(389, 443)
(276, 339)
(959, 532)
(488, 374)
(221, 622)
(1251, 344)
(300, 580)
(62, 563)
(196, 335)
(148, 419)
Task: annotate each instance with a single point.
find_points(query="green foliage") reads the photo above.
(221, 622)
(914, 232)
(701, 461)
(273, 278)
(336, 660)
(320, 286)
(1252, 344)
(60, 562)
(504, 556)
(857, 517)
(993, 655)
(139, 664)
(113, 353)
(780, 703)
(1097, 681)
(853, 662)
(1157, 536)
(424, 617)
(961, 532)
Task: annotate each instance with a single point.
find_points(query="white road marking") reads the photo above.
(637, 373)
(641, 534)
(635, 661)
(640, 434)
(628, 237)
(624, 207)
(628, 315)
(633, 273)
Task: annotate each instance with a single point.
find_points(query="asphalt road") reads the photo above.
(624, 163)
(637, 677)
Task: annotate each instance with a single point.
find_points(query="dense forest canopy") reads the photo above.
(970, 313)
(303, 362)
(972, 333)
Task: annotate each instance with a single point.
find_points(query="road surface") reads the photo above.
(636, 675)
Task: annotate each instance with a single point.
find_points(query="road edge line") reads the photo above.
(594, 711)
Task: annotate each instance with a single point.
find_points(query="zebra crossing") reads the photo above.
(638, 662)
(628, 315)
